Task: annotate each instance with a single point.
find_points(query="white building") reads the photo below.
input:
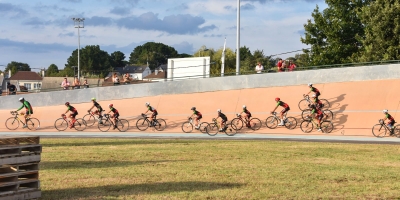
(27, 80)
(135, 72)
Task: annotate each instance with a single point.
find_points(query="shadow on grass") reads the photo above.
(51, 165)
(101, 192)
(116, 142)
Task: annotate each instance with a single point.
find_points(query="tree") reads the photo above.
(118, 59)
(93, 60)
(17, 66)
(153, 53)
(382, 30)
(333, 33)
(52, 70)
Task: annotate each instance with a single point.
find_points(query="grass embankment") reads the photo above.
(215, 169)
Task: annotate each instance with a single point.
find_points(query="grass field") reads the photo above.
(216, 169)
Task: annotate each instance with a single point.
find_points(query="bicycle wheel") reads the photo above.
(306, 126)
(325, 103)
(326, 126)
(303, 104)
(271, 122)
(160, 124)
(89, 119)
(212, 129)
(105, 125)
(122, 125)
(290, 123)
(378, 130)
(187, 127)
(255, 124)
(142, 124)
(12, 123)
(305, 114)
(231, 130)
(203, 127)
(80, 124)
(328, 115)
(238, 123)
(396, 131)
(33, 124)
(61, 124)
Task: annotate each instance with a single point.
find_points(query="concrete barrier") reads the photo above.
(346, 74)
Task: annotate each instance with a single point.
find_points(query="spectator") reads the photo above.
(12, 90)
(85, 84)
(115, 79)
(65, 84)
(77, 83)
(259, 68)
(280, 65)
(284, 65)
(292, 66)
(127, 78)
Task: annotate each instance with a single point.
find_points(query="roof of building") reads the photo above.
(159, 75)
(131, 69)
(26, 75)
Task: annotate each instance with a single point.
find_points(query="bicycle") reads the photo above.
(328, 114)
(253, 123)
(91, 118)
(12, 123)
(214, 128)
(272, 121)
(62, 123)
(308, 125)
(107, 122)
(144, 123)
(379, 130)
(187, 127)
(306, 102)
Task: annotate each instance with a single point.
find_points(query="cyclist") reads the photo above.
(313, 89)
(285, 109)
(247, 115)
(317, 102)
(223, 121)
(151, 109)
(198, 117)
(391, 120)
(114, 116)
(99, 109)
(319, 115)
(28, 108)
(73, 114)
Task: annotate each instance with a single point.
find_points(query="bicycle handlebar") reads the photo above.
(381, 121)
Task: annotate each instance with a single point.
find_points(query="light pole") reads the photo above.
(79, 23)
(238, 38)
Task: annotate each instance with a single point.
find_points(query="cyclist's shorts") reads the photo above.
(224, 120)
(320, 116)
(154, 114)
(198, 117)
(391, 122)
(74, 114)
(248, 115)
(285, 110)
(28, 113)
(317, 94)
(116, 115)
(100, 110)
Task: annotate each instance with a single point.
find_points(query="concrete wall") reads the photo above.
(380, 72)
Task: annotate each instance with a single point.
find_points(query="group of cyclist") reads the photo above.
(316, 111)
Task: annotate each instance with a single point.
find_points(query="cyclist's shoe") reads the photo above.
(24, 126)
(319, 130)
(114, 127)
(197, 127)
(220, 130)
(281, 124)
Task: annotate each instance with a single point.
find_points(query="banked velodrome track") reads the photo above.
(357, 105)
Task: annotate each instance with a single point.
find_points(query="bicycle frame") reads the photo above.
(16, 116)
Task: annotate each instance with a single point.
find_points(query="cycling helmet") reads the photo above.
(111, 105)
(277, 99)
(21, 99)
(93, 99)
(385, 111)
(193, 108)
(219, 110)
(244, 106)
(67, 103)
(147, 103)
(310, 84)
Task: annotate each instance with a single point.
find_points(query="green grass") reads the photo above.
(216, 169)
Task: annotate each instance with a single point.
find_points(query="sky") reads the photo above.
(41, 32)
